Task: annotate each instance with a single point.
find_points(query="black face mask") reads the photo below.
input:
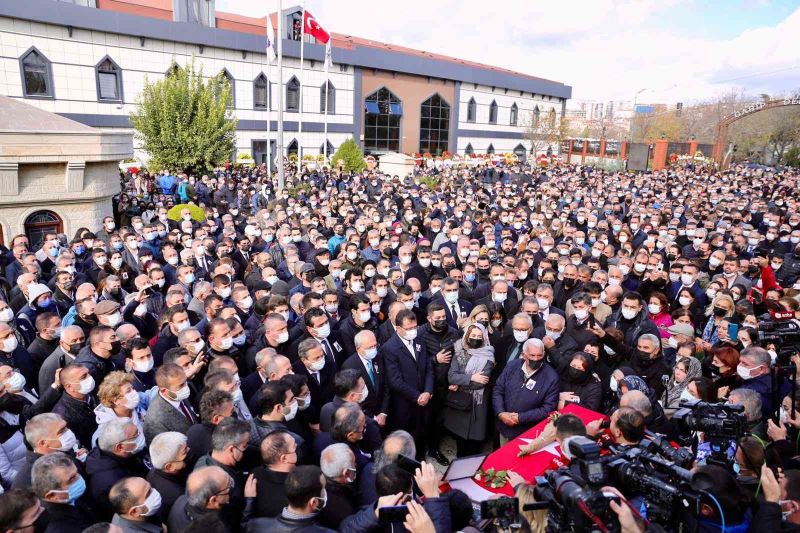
(569, 282)
(535, 365)
(473, 343)
(644, 358)
(483, 271)
(484, 323)
(672, 257)
(576, 375)
(719, 312)
(439, 325)
(75, 348)
(116, 346)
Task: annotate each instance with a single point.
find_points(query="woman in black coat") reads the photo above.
(579, 384)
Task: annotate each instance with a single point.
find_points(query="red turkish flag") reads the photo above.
(312, 27)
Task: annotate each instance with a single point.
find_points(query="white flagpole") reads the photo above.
(279, 155)
(327, 81)
(269, 102)
(300, 99)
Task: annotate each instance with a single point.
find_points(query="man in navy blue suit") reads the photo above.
(689, 281)
(409, 373)
(454, 307)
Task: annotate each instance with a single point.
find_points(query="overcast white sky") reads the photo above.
(678, 50)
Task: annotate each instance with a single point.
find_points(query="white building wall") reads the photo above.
(74, 58)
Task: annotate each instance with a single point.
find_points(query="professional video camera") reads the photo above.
(659, 444)
(577, 502)
(781, 331)
(721, 424)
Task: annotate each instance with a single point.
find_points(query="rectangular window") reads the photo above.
(108, 86)
(292, 99)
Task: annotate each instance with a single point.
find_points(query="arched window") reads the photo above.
(493, 112)
(434, 125)
(551, 118)
(472, 110)
(261, 94)
(514, 115)
(490, 150)
(39, 224)
(520, 152)
(330, 149)
(536, 115)
(292, 148)
(329, 98)
(293, 95)
(229, 77)
(383, 111)
(109, 80)
(469, 150)
(37, 74)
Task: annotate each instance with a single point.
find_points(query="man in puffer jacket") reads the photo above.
(391, 481)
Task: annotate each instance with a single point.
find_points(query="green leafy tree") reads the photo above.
(184, 122)
(351, 155)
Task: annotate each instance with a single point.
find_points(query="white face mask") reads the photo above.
(318, 365)
(152, 503)
(745, 373)
(226, 343)
(323, 331)
(132, 399)
(520, 336)
(581, 314)
(143, 366)
(654, 308)
(629, 314)
(67, 440)
(182, 393)
(292, 411)
(114, 319)
(543, 303)
(370, 354)
(86, 385)
(410, 334)
(364, 316)
(15, 382)
(684, 300)
(6, 315)
(10, 344)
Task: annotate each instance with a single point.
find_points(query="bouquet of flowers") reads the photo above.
(494, 479)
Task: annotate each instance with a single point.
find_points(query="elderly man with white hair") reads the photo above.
(338, 465)
(754, 369)
(168, 454)
(526, 391)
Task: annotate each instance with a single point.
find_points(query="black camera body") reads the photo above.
(717, 421)
(578, 503)
(783, 334)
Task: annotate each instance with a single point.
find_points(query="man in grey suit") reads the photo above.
(169, 410)
(730, 274)
(71, 341)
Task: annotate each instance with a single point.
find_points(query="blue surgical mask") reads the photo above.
(736, 468)
(75, 490)
(469, 277)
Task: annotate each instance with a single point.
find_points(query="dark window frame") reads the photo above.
(332, 94)
(513, 119)
(434, 128)
(472, 110)
(493, 112)
(293, 85)
(117, 72)
(382, 130)
(50, 91)
(262, 78)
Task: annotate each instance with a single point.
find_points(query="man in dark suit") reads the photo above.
(242, 254)
(320, 370)
(689, 281)
(360, 319)
(501, 293)
(372, 369)
(130, 254)
(386, 331)
(170, 409)
(318, 327)
(544, 297)
(454, 307)
(410, 376)
(558, 346)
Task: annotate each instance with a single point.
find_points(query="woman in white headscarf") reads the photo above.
(468, 400)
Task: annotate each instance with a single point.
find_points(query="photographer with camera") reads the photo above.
(560, 430)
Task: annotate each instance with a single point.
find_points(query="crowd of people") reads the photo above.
(271, 359)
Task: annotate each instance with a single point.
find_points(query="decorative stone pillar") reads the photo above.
(9, 179)
(75, 171)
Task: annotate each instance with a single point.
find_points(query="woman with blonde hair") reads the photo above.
(722, 307)
(118, 399)
(537, 520)
(468, 402)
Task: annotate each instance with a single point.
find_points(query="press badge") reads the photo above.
(336, 345)
(530, 384)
